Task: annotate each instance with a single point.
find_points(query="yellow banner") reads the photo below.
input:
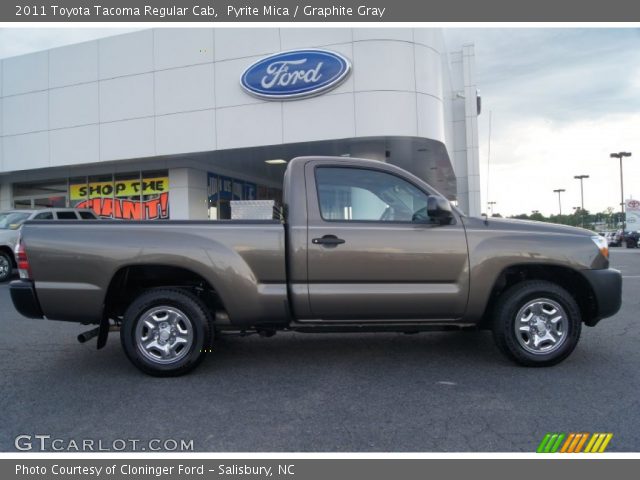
(120, 188)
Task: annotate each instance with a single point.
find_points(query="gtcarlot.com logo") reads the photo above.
(574, 443)
(47, 443)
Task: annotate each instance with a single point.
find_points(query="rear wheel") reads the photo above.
(165, 332)
(6, 266)
(536, 323)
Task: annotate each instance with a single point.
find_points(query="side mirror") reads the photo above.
(439, 208)
(14, 226)
(421, 216)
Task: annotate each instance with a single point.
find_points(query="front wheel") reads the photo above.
(536, 323)
(165, 332)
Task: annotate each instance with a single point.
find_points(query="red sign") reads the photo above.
(156, 208)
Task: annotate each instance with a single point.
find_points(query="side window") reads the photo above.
(44, 216)
(360, 194)
(87, 216)
(66, 215)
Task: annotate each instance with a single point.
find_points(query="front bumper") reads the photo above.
(23, 295)
(607, 288)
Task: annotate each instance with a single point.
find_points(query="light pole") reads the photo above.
(559, 192)
(581, 178)
(620, 156)
(491, 204)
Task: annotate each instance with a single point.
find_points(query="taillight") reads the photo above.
(22, 261)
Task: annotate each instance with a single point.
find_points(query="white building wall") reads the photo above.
(128, 84)
(464, 129)
(188, 197)
(471, 131)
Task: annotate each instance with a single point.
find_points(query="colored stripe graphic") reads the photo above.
(552, 439)
(556, 445)
(550, 443)
(543, 443)
(574, 442)
(606, 441)
(567, 442)
(598, 442)
(591, 442)
(583, 439)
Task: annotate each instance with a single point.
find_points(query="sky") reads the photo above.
(560, 101)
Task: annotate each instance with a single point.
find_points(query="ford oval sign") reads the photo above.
(295, 74)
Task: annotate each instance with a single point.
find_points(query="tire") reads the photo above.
(529, 307)
(6, 266)
(176, 327)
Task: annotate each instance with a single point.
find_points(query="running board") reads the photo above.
(351, 327)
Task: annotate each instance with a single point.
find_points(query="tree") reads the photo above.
(578, 218)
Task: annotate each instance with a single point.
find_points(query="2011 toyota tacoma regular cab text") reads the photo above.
(363, 246)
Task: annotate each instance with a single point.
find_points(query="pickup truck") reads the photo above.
(361, 246)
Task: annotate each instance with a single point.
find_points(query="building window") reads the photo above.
(52, 193)
(125, 196)
(154, 188)
(224, 189)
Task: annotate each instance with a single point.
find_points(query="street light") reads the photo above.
(559, 192)
(581, 178)
(620, 156)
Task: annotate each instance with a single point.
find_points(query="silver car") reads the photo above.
(12, 220)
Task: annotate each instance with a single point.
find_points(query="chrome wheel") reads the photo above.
(541, 326)
(164, 334)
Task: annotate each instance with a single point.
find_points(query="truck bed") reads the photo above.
(79, 260)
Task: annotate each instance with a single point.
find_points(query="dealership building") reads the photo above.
(176, 123)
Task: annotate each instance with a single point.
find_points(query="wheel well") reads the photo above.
(567, 278)
(129, 282)
(8, 251)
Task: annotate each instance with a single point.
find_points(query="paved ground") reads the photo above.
(294, 392)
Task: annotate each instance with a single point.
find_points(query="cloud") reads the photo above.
(560, 73)
(534, 156)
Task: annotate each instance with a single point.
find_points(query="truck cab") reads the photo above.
(372, 242)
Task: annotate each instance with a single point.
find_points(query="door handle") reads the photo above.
(328, 240)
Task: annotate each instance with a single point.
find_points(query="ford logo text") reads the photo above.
(295, 74)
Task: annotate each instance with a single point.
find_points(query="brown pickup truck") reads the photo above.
(362, 246)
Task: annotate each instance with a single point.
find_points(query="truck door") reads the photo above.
(374, 254)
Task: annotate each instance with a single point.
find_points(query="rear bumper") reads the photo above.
(607, 288)
(23, 295)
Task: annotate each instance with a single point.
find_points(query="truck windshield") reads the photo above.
(12, 218)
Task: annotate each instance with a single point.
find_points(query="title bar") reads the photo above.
(140, 11)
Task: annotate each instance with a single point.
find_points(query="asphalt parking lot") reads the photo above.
(296, 392)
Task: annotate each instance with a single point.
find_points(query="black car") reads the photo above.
(631, 239)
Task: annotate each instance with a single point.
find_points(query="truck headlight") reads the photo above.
(602, 245)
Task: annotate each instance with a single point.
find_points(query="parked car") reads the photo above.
(609, 237)
(615, 239)
(12, 220)
(631, 239)
(363, 246)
